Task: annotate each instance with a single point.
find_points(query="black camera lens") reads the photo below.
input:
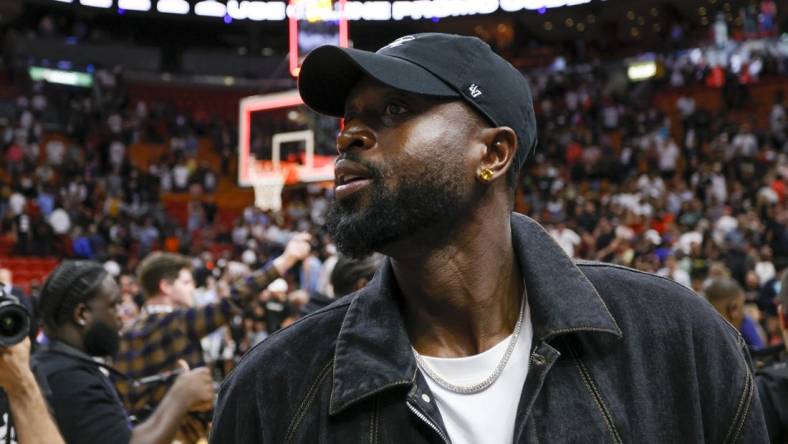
(14, 323)
(9, 324)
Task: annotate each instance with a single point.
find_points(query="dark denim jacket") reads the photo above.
(618, 356)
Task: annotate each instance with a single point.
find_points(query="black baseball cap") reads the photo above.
(431, 64)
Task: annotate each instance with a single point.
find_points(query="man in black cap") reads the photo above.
(478, 327)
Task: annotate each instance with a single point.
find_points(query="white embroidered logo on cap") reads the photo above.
(400, 41)
(474, 90)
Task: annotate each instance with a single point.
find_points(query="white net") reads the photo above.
(268, 191)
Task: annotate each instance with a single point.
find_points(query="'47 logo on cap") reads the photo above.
(474, 90)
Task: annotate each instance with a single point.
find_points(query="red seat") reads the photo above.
(28, 269)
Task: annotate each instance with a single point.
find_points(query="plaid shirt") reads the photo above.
(157, 340)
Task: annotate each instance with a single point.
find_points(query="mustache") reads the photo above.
(374, 170)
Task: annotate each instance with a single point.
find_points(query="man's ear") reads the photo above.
(165, 287)
(500, 148)
(81, 314)
(730, 311)
(360, 283)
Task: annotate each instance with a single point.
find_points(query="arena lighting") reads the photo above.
(96, 3)
(516, 5)
(441, 8)
(173, 6)
(373, 10)
(210, 8)
(368, 10)
(134, 5)
(62, 77)
(256, 10)
(641, 71)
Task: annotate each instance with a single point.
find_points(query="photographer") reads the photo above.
(79, 307)
(24, 416)
(29, 421)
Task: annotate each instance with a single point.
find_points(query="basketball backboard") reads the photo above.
(283, 142)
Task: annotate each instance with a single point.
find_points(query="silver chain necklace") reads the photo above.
(486, 382)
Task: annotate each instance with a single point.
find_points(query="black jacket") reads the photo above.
(772, 382)
(618, 356)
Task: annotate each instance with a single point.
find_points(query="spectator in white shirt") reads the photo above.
(55, 150)
(673, 271)
(745, 144)
(566, 238)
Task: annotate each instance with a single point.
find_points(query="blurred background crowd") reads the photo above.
(683, 173)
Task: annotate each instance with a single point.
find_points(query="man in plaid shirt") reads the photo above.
(170, 328)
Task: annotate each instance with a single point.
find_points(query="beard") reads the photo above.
(424, 197)
(100, 339)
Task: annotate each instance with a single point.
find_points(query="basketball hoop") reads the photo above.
(268, 188)
(292, 159)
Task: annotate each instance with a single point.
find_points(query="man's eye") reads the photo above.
(393, 109)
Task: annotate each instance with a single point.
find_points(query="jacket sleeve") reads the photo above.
(746, 423)
(238, 416)
(753, 429)
(773, 391)
(198, 322)
(245, 289)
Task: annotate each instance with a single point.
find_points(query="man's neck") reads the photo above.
(69, 337)
(160, 301)
(462, 297)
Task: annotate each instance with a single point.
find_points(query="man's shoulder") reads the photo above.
(277, 376)
(149, 324)
(63, 374)
(607, 276)
(645, 301)
(777, 372)
(302, 348)
(48, 361)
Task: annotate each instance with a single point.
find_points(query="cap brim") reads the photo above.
(329, 73)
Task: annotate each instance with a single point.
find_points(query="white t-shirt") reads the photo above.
(55, 151)
(746, 144)
(17, 203)
(567, 239)
(488, 416)
(668, 156)
(180, 176)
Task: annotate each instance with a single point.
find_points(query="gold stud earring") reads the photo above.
(485, 175)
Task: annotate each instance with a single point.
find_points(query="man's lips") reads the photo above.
(350, 177)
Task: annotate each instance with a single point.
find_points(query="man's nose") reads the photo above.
(355, 137)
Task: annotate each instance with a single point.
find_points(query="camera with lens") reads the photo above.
(15, 320)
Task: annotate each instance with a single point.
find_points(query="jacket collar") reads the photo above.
(373, 351)
(63, 349)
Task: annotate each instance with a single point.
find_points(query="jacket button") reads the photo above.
(425, 397)
(539, 359)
